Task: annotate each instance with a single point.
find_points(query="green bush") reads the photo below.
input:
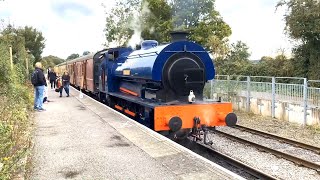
(16, 101)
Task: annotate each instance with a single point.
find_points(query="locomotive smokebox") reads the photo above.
(179, 36)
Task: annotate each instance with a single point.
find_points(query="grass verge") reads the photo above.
(15, 128)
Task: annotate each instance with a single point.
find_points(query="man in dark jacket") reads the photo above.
(38, 81)
(52, 78)
(65, 83)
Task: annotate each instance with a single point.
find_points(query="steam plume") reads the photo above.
(137, 25)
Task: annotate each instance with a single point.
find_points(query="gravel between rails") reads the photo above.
(273, 144)
(306, 134)
(266, 162)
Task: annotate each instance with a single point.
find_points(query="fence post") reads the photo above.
(305, 100)
(273, 105)
(248, 93)
(11, 61)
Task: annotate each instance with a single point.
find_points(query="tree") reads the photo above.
(188, 13)
(51, 61)
(204, 22)
(73, 56)
(19, 53)
(238, 52)
(266, 58)
(302, 24)
(236, 61)
(152, 19)
(158, 23)
(29, 36)
(130, 21)
(118, 20)
(85, 53)
(34, 41)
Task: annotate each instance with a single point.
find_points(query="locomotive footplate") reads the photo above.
(208, 115)
(193, 120)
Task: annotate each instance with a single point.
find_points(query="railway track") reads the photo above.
(221, 159)
(278, 138)
(297, 160)
(226, 161)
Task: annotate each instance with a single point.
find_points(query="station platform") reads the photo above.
(80, 138)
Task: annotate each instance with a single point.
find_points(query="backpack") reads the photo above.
(34, 77)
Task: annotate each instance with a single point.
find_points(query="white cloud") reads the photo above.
(252, 21)
(66, 33)
(257, 23)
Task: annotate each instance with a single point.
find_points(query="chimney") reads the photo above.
(179, 36)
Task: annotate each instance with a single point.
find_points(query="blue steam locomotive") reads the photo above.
(160, 86)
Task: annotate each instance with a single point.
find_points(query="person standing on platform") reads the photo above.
(52, 78)
(39, 82)
(65, 83)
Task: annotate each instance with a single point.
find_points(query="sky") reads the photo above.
(75, 26)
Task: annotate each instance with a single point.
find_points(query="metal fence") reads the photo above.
(276, 89)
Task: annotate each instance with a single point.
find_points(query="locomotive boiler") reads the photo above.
(161, 86)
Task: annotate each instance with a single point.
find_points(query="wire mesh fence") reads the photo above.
(301, 91)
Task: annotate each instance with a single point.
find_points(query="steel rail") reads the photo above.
(199, 146)
(281, 139)
(280, 154)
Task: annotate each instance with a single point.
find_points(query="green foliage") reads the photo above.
(302, 24)
(29, 37)
(302, 19)
(118, 22)
(19, 58)
(186, 15)
(205, 24)
(158, 17)
(85, 53)
(236, 61)
(15, 135)
(34, 41)
(73, 56)
(51, 61)
(153, 19)
(158, 23)
(5, 70)
(16, 100)
(238, 52)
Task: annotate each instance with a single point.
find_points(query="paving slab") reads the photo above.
(79, 138)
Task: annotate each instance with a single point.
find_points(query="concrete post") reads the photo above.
(27, 63)
(11, 61)
(248, 94)
(305, 100)
(273, 105)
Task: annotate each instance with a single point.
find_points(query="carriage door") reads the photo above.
(85, 84)
(103, 79)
